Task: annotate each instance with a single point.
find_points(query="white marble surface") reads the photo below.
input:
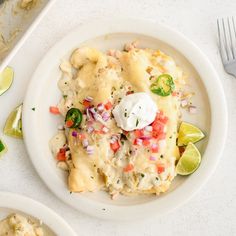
(212, 210)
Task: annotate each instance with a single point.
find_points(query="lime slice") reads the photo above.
(13, 126)
(6, 79)
(189, 133)
(189, 161)
(3, 148)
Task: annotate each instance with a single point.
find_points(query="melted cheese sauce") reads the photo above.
(133, 168)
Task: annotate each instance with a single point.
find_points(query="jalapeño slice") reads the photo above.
(73, 118)
(163, 86)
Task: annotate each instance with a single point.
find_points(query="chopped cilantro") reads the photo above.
(64, 96)
(137, 122)
(142, 175)
(157, 178)
(33, 108)
(122, 142)
(125, 114)
(161, 156)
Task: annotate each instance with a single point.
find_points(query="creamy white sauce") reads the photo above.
(135, 111)
(18, 225)
(57, 142)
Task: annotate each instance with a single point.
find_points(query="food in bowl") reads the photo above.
(17, 224)
(122, 113)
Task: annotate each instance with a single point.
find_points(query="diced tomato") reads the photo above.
(108, 105)
(158, 126)
(69, 123)
(98, 132)
(160, 168)
(154, 149)
(54, 110)
(81, 136)
(138, 141)
(128, 168)
(115, 146)
(61, 155)
(139, 133)
(163, 119)
(158, 136)
(146, 142)
(86, 103)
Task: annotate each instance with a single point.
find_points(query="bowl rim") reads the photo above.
(37, 210)
(219, 117)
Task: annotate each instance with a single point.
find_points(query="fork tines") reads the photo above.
(227, 38)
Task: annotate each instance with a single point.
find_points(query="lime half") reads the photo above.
(6, 79)
(189, 161)
(189, 133)
(13, 126)
(3, 148)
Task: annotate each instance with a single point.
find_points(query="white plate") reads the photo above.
(52, 223)
(39, 126)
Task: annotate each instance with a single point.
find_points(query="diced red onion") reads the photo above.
(98, 117)
(184, 103)
(154, 146)
(85, 143)
(90, 129)
(100, 107)
(88, 99)
(92, 110)
(148, 128)
(105, 116)
(152, 158)
(105, 129)
(113, 139)
(192, 109)
(74, 134)
(139, 141)
(88, 113)
(145, 137)
(90, 150)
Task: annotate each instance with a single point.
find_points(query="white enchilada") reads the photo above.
(122, 116)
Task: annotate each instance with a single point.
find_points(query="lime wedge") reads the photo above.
(6, 79)
(13, 126)
(189, 161)
(3, 148)
(189, 133)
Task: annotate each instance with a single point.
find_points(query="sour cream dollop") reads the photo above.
(135, 111)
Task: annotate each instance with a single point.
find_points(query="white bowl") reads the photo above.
(39, 126)
(52, 223)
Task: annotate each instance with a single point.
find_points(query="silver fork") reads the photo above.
(227, 44)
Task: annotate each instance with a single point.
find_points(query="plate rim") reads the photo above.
(37, 210)
(201, 64)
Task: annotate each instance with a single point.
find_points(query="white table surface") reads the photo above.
(213, 210)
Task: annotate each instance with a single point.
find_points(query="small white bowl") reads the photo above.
(39, 126)
(51, 222)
